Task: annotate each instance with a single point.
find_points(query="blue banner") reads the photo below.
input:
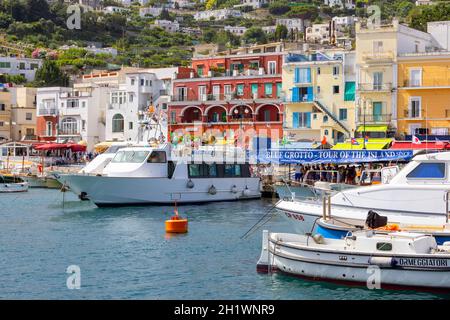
(286, 156)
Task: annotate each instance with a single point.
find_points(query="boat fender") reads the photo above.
(246, 191)
(212, 190)
(190, 184)
(234, 189)
(383, 261)
(318, 238)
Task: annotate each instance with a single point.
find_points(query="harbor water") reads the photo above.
(125, 253)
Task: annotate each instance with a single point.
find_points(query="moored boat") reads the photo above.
(16, 185)
(402, 259)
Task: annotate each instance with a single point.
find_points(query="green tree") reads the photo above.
(420, 16)
(304, 12)
(255, 35)
(50, 75)
(281, 32)
(279, 8)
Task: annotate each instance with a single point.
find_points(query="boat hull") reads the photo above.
(121, 191)
(13, 187)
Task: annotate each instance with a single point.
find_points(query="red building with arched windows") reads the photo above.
(226, 93)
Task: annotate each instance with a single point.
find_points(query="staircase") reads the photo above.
(324, 109)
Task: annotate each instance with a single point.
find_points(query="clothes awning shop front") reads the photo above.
(372, 144)
(431, 145)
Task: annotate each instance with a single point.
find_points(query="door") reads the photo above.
(255, 90)
(413, 128)
(377, 111)
(377, 80)
(216, 92)
(202, 93)
(182, 93)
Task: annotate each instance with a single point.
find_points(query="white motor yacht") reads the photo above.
(142, 175)
(417, 195)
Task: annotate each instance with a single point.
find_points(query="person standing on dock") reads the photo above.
(298, 172)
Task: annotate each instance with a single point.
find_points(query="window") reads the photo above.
(415, 77)
(434, 170)
(48, 128)
(232, 170)
(5, 64)
(318, 71)
(83, 125)
(133, 81)
(182, 93)
(2, 107)
(378, 46)
(272, 67)
(130, 97)
(147, 83)
(22, 65)
(142, 82)
(325, 119)
(202, 93)
(117, 123)
(279, 89)
(335, 70)
(335, 89)
(301, 120)
(69, 126)
(28, 116)
(34, 66)
(414, 107)
(173, 117)
(268, 89)
(240, 89)
(83, 104)
(384, 246)
(200, 70)
(377, 80)
(130, 157)
(194, 170)
(130, 125)
(72, 103)
(157, 157)
(2, 123)
(439, 131)
(227, 91)
(302, 75)
(343, 114)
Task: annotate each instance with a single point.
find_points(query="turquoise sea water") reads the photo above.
(125, 253)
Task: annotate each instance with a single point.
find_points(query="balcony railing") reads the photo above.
(48, 111)
(374, 118)
(378, 56)
(375, 86)
(412, 114)
(221, 97)
(68, 132)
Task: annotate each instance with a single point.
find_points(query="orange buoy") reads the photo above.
(176, 224)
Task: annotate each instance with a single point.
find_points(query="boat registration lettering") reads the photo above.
(295, 216)
(422, 262)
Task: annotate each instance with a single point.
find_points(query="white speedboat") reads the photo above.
(8, 185)
(369, 258)
(152, 175)
(417, 195)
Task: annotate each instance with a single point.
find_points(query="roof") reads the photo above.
(433, 145)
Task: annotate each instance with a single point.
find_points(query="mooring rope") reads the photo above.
(260, 222)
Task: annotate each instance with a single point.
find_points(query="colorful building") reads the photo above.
(5, 115)
(319, 95)
(377, 49)
(230, 92)
(23, 114)
(424, 94)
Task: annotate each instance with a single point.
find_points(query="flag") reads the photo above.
(439, 142)
(354, 142)
(366, 139)
(415, 140)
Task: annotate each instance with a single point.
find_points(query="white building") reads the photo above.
(114, 9)
(424, 2)
(20, 66)
(93, 49)
(167, 25)
(318, 33)
(348, 4)
(129, 103)
(295, 25)
(440, 30)
(239, 31)
(348, 21)
(150, 12)
(220, 14)
(255, 4)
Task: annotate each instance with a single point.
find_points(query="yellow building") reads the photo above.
(5, 115)
(319, 92)
(23, 114)
(377, 49)
(424, 94)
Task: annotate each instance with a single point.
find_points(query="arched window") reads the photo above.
(69, 126)
(117, 123)
(325, 119)
(48, 129)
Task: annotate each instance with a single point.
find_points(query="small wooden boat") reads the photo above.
(402, 259)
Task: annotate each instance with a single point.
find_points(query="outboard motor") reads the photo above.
(374, 220)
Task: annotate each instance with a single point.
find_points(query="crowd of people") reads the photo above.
(348, 174)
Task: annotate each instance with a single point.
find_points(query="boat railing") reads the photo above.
(447, 205)
(335, 176)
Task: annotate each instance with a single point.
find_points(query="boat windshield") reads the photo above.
(114, 149)
(130, 156)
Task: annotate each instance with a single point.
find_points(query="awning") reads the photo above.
(372, 144)
(406, 145)
(373, 128)
(58, 146)
(349, 93)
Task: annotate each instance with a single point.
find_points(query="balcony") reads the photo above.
(374, 118)
(375, 87)
(63, 132)
(377, 57)
(47, 112)
(220, 97)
